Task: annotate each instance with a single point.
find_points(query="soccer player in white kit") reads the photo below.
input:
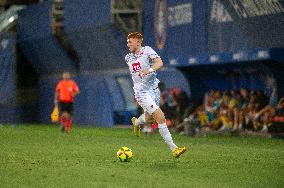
(143, 62)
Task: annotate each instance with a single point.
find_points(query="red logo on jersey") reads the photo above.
(136, 67)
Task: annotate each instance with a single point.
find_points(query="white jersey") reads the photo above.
(143, 60)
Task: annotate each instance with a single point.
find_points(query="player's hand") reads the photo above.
(143, 73)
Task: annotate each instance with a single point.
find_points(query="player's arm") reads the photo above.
(76, 93)
(158, 64)
(76, 90)
(56, 94)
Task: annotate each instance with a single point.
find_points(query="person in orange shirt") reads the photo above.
(65, 92)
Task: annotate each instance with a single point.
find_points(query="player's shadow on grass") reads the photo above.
(165, 166)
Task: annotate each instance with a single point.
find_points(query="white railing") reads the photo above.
(9, 16)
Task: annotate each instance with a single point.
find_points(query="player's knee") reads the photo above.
(150, 121)
(148, 118)
(159, 116)
(66, 115)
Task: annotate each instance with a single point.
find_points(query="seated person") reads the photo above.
(279, 112)
(240, 111)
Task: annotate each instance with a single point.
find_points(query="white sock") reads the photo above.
(141, 120)
(165, 133)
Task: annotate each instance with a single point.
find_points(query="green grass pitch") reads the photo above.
(41, 156)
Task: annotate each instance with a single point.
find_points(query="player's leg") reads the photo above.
(163, 129)
(159, 117)
(63, 119)
(63, 116)
(165, 133)
(68, 123)
(136, 124)
(69, 110)
(143, 118)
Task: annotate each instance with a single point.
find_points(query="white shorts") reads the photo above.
(149, 100)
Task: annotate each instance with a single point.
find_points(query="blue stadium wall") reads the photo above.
(89, 28)
(87, 25)
(34, 35)
(12, 108)
(196, 27)
(220, 44)
(8, 107)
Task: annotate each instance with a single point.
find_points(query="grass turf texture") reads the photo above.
(41, 156)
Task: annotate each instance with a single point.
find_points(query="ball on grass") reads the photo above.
(124, 154)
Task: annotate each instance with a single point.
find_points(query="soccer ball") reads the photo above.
(124, 154)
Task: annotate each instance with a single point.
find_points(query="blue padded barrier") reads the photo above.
(102, 101)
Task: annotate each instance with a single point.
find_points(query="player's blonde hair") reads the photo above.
(135, 35)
